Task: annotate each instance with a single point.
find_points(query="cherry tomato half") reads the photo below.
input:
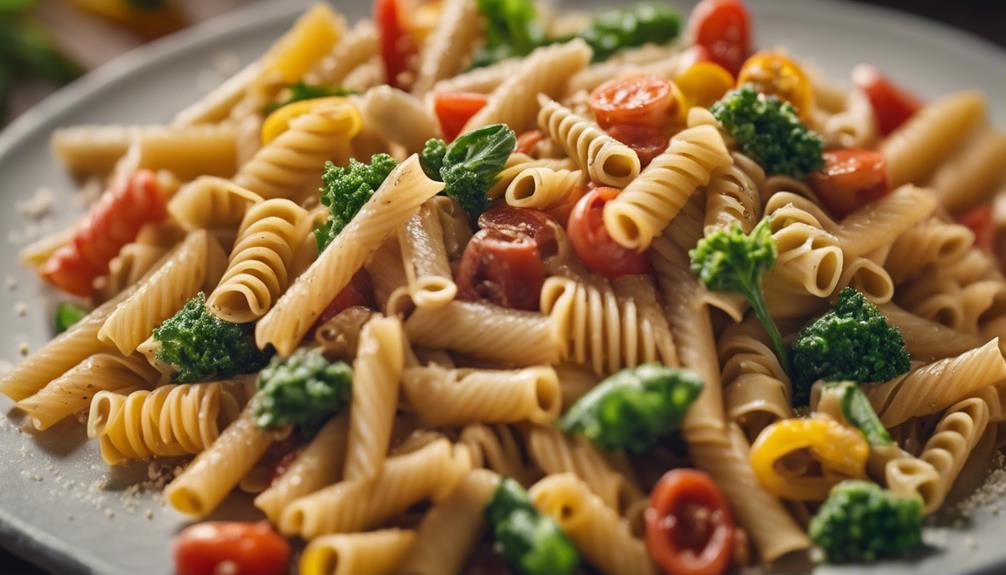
(647, 143)
(641, 100)
(592, 243)
(398, 49)
(689, 526)
(506, 270)
(891, 105)
(245, 549)
(526, 141)
(454, 109)
(851, 178)
(723, 27)
(776, 74)
(980, 221)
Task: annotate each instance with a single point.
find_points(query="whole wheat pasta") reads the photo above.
(756, 388)
(927, 340)
(930, 242)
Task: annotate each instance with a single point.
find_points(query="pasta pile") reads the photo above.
(461, 373)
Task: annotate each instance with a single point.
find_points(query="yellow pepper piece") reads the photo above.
(279, 121)
(775, 73)
(704, 83)
(840, 451)
(312, 37)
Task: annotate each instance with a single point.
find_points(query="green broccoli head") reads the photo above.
(768, 130)
(852, 342)
(203, 347)
(861, 521)
(303, 389)
(730, 260)
(531, 543)
(346, 189)
(634, 408)
(432, 157)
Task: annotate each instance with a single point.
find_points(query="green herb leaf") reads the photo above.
(68, 314)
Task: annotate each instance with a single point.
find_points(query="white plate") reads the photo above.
(53, 508)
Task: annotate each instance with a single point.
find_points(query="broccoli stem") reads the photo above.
(756, 297)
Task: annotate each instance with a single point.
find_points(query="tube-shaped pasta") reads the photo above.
(458, 397)
(377, 371)
(543, 188)
(318, 466)
(914, 150)
(930, 242)
(373, 553)
(496, 447)
(392, 205)
(424, 256)
(734, 194)
(171, 420)
(603, 537)
(927, 340)
(605, 159)
(215, 471)
(445, 50)
(399, 117)
(970, 176)
(952, 442)
(651, 201)
(519, 162)
(359, 44)
(756, 388)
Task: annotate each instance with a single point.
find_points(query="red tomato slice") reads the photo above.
(851, 178)
(980, 221)
(514, 222)
(233, 547)
(397, 45)
(689, 526)
(723, 28)
(639, 100)
(892, 106)
(647, 144)
(506, 270)
(592, 243)
(528, 140)
(114, 221)
(454, 109)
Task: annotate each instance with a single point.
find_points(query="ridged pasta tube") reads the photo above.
(359, 44)
(424, 257)
(603, 537)
(605, 159)
(461, 396)
(260, 266)
(171, 420)
(543, 188)
(373, 553)
(498, 448)
(650, 202)
(404, 190)
(445, 50)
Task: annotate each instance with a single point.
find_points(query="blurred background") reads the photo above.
(48, 43)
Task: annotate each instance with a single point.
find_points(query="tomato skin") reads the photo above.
(641, 100)
(114, 221)
(980, 221)
(892, 106)
(454, 109)
(358, 292)
(514, 222)
(526, 141)
(723, 28)
(647, 144)
(507, 271)
(683, 547)
(252, 548)
(397, 46)
(850, 179)
(592, 243)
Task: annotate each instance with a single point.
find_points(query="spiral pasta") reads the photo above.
(170, 420)
(458, 397)
(650, 202)
(496, 447)
(755, 386)
(518, 163)
(209, 203)
(734, 195)
(953, 439)
(261, 262)
(605, 159)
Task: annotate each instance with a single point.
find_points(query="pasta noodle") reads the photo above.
(424, 255)
(543, 188)
(496, 448)
(400, 117)
(373, 553)
(445, 50)
(970, 177)
(357, 47)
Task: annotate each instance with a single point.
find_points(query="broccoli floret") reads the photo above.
(769, 130)
(203, 347)
(615, 30)
(861, 521)
(634, 408)
(470, 164)
(303, 389)
(852, 342)
(304, 91)
(345, 189)
(68, 314)
(530, 542)
(432, 157)
(729, 260)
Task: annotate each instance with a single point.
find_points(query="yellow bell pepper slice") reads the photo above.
(312, 37)
(840, 451)
(703, 83)
(279, 121)
(776, 74)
